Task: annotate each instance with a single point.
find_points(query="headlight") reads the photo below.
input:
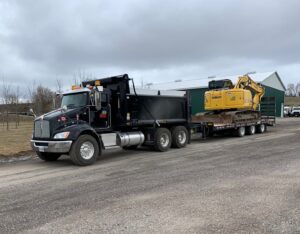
(62, 135)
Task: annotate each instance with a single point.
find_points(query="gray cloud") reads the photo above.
(153, 40)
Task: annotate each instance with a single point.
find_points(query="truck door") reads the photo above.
(101, 111)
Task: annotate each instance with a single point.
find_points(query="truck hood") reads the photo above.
(55, 119)
(70, 113)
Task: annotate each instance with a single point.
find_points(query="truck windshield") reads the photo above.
(74, 100)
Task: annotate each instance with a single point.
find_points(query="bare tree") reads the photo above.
(58, 85)
(291, 90)
(57, 99)
(297, 89)
(17, 102)
(43, 99)
(30, 92)
(80, 76)
(6, 96)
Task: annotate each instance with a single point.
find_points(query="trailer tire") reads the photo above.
(261, 128)
(48, 157)
(250, 130)
(241, 131)
(85, 150)
(162, 139)
(179, 136)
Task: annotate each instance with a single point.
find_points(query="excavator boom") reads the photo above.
(245, 82)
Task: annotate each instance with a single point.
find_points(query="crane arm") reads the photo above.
(245, 82)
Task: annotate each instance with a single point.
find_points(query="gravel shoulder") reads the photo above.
(226, 185)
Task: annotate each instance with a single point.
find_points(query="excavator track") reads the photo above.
(227, 117)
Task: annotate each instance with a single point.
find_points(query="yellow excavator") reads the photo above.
(233, 108)
(226, 103)
(222, 95)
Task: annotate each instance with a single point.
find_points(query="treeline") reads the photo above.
(293, 90)
(17, 102)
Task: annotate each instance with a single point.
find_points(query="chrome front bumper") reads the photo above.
(51, 146)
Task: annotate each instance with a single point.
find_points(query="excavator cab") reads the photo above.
(220, 84)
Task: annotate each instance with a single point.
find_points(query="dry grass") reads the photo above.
(15, 140)
(292, 101)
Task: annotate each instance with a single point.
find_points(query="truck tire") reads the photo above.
(261, 128)
(85, 150)
(250, 130)
(49, 157)
(241, 131)
(179, 137)
(162, 139)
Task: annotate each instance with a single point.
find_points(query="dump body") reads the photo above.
(161, 109)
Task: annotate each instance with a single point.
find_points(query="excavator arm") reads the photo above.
(245, 82)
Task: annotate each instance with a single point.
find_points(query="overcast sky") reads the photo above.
(152, 41)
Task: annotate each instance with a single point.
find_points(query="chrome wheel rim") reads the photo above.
(252, 129)
(242, 131)
(164, 140)
(262, 127)
(87, 150)
(181, 137)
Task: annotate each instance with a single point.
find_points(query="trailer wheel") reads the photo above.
(179, 136)
(261, 128)
(250, 130)
(49, 157)
(241, 131)
(162, 139)
(85, 150)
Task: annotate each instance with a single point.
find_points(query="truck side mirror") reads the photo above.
(97, 96)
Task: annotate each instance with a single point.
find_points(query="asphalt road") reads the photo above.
(225, 185)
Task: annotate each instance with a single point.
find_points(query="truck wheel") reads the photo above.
(240, 132)
(179, 136)
(162, 139)
(84, 151)
(250, 130)
(261, 128)
(49, 157)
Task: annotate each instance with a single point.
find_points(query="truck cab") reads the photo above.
(105, 113)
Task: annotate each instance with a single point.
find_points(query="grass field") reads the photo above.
(15, 140)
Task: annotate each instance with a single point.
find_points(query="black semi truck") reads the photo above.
(106, 113)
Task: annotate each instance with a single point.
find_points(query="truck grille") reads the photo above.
(41, 129)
